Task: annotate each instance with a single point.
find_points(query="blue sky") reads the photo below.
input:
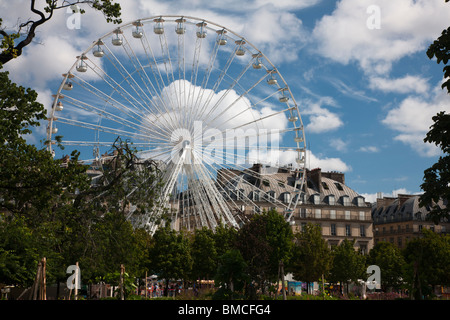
(366, 93)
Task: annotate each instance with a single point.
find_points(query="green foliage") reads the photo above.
(231, 272)
(390, 260)
(170, 254)
(440, 49)
(437, 177)
(204, 254)
(129, 285)
(312, 257)
(19, 110)
(11, 50)
(427, 260)
(348, 264)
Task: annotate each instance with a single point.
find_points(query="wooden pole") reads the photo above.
(44, 281)
(122, 272)
(76, 281)
(35, 288)
(282, 279)
(145, 284)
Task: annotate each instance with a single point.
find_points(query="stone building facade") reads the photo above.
(401, 219)
(325, 199)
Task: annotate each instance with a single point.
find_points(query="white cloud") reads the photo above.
(339, 144)
(285, 157)
(369, 149)
(372, 197)
(349, 91)
(412, 119)
(406, 27)
(406, 84)
(43, 62)
(320, 119)
(325, 163)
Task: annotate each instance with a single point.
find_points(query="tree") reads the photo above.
(427, 260)
(348, 264)
(224, 238)
(252, 243)
(11, 49)
(437, 177)
(231, 274)
(265, 242)
(204, 255)
(390, 260)
(169, 255)
(18, 253)
(312, 257)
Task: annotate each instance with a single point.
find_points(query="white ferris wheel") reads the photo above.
(202, 101)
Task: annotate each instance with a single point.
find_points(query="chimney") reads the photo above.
(316, 178)
(385, 201)
(336, 176)
(402, 198)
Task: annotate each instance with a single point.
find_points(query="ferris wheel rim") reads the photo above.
(273, 69)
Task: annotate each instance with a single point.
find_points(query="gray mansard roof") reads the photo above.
(277, 184)
(399, 209)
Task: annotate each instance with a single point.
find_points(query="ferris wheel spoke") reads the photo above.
(97, 127)
(141, 71)
(186, 99)
(163, 128)
(207, 75)
(157, 77)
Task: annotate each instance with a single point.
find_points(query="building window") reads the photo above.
(362, 230)
(345, 200)
(338, 186)
(333, 229)
(360, 201)
(399, 242)
(286, 197)
(362, 215)
(332, 214)
(348, 230)
(302, 213)
(347, 215)
(318, 213)
(303, 226)
(363, 248)
(316, 199)
(331, 200)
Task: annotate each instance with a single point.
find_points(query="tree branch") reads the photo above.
(8, 55)
(110, 10)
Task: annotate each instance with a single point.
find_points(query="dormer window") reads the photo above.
(331, 200)
(345, 200)
(339, 186)
(316, 198)
(359, 201)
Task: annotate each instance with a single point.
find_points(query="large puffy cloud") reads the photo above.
(412, 119)
(405, 27)
(320, 118)
(288, 157)
(406, 84)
